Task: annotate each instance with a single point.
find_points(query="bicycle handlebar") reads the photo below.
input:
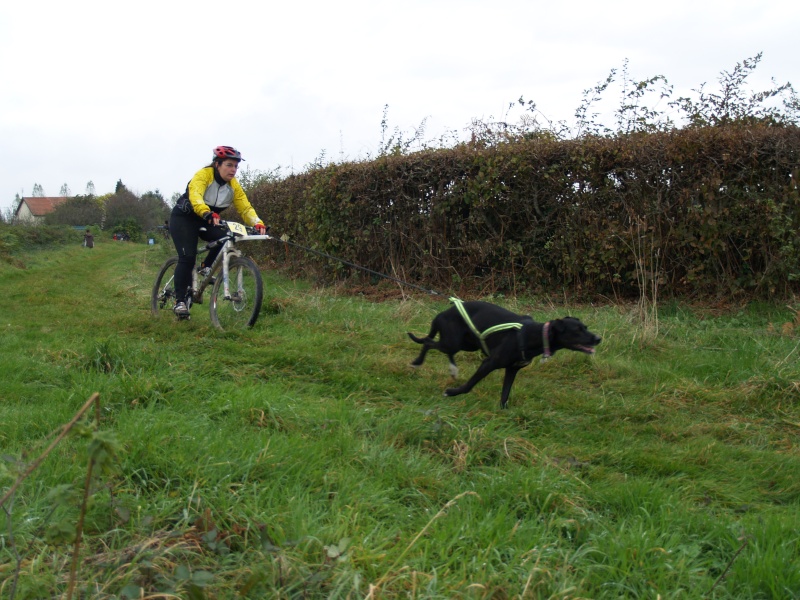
(251, 235)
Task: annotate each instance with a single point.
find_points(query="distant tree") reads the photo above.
(90, 191)
(38, 191)
(130, 228)
(78, 210)
(8, 214)
(121, 205)
(124, 206)
(120, 187)
(102, 202)
(64, 191)
(153, 196)
(155, 209)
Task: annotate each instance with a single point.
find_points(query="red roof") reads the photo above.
(41, 205)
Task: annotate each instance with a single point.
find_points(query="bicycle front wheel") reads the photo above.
(239, 310)
(163, 295)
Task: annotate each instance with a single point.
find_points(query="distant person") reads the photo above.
(88, 239)
(212, 189)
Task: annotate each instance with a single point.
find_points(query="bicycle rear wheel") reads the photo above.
(241, 309)
(163, 295)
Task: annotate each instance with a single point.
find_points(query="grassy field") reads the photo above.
(306, 459)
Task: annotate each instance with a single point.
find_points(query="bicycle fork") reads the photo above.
(225, 256)
(226, 277)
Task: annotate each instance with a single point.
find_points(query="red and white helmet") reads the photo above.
(223, 152)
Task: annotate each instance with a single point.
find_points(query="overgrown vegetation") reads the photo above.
(305, 459)
(16, 240)
(556, 209)
(718, 208)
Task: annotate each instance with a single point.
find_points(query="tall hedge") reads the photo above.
(698, 212)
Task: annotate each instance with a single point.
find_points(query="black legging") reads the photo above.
(185, 231)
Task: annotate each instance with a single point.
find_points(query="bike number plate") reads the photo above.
(237, 228)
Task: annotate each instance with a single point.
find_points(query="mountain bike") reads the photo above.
(237, 289)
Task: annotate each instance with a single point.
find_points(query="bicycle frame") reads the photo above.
(237, 233)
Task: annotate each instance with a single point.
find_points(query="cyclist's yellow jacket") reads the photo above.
(209, 195)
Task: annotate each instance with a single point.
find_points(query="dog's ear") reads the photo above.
(561, 325)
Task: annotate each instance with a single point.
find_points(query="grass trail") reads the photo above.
(305, 459)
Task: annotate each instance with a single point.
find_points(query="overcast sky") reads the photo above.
(142, 91)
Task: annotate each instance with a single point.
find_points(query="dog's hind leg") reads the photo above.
(420, 359)
(453, 366)
(448, 342)
(427, 344)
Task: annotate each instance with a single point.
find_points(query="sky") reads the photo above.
(143, 91)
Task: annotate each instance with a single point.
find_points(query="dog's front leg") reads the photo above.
(487, 366)
(508, 381)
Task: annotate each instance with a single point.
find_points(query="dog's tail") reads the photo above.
(429, 340)
(426, 340)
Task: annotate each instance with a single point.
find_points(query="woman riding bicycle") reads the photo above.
(212, 189)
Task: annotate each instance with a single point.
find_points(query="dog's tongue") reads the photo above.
(587, 349)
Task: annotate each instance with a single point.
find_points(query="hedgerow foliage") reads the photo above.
(705, 210)
(15, 238)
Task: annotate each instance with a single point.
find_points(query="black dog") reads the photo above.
(515, 341)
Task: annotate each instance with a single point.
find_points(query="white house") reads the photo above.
(32, 210)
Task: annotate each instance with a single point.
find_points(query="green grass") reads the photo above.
(305, 459)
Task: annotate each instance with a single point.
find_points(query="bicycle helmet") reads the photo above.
(223, 152)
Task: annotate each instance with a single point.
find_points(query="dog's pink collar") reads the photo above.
(546, 341)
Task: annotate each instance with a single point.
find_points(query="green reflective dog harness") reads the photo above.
(459, 304)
